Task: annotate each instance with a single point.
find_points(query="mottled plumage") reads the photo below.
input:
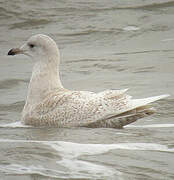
(50, 104)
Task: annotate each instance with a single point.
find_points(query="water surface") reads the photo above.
(104, 45)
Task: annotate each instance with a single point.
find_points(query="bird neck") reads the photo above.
(45, 78)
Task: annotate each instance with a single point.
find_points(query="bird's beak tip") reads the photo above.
(14, 51)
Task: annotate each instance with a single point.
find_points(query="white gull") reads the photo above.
(48, 103)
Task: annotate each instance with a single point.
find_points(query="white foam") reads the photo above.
(69, 153)
(21, 169)
(17, 124)
(131, 28)
(73, 150)
(83, 168)
(76, 169)
(151, 126)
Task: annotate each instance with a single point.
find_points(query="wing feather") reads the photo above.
(81, 108)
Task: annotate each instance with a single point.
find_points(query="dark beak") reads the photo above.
(14, 51)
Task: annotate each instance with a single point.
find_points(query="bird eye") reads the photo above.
(31, 45)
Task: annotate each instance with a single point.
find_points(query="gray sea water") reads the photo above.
(111, 44)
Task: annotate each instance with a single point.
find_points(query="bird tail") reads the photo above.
(140, 109)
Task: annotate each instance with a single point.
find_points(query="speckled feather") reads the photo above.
(76, 108)
(80, 108)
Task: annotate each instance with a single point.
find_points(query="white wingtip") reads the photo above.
(164, 96)
(160, 97)
(145, 101)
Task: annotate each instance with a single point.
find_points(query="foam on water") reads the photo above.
(77, 168)
(151, 126)
(83, 168)
(131, 28)
(90, 170)
(73, 150)
(21, 169)
(17, 124)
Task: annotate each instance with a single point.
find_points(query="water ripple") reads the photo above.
(77, 168)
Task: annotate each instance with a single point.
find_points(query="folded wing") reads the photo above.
(110, 108)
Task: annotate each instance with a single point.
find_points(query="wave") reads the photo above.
(21, 169)
(92, 171)
(75, 166)
(70, 149)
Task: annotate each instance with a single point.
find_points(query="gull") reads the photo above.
(48, 103)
